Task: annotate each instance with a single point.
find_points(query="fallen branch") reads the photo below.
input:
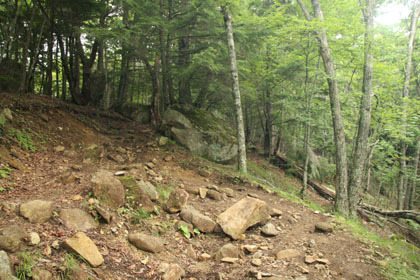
(405, 214)
(329, 194)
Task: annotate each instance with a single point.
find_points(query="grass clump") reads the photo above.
(24, 269)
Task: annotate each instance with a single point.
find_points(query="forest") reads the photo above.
(319, 82)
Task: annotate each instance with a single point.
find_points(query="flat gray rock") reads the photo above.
(146, 242)
(77, 219)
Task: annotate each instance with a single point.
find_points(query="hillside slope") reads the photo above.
(59, 148)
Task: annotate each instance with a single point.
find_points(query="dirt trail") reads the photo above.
(89, 143)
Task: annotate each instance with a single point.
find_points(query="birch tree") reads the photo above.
(236, 92)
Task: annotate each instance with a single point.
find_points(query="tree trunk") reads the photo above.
(341, 200)
(404, 95)
(236, 92)
(87, 69)
(23, 85)
(268, 127)
(360, 150)
(154, 74)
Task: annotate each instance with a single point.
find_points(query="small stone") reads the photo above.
(310, 259)
(34, 238)
(276, 212)
(228, 191)
(269, 230)
(215, 195)
(250, 248)
(229, 260)
(121, 150)
(204, 257)
(163, 141)
(287, 254)
(105, 214)
(324, 227)
(55, 244)
(59, 149)
(47, 251)
(256, 262)
(323, 261)
(204, 172)
(190, 252)
(177, 200)
(167, 158)
(150, 165)
(172, 272)
(120, 173)
(202, 192)
(76, 197)
(304, 270)
(227, 251)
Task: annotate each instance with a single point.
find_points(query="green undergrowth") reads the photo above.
(404, 260)
(278, 184)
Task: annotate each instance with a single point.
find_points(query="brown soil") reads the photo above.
(59, 176)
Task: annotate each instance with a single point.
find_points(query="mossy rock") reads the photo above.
(202, 132)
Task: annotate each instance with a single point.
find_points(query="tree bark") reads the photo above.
(236, 92)
(360, 149)
(404, 95)
(341, 201)
(23, 85)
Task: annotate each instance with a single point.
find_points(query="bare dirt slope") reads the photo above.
(70, 144)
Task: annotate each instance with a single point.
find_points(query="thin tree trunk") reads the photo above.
(360, 150)
(22, 85)
(10, 29)
(405, 93)
(341, 201)
(236, 92)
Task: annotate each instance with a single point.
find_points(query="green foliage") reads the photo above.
(139, 215)
(4, 171)
(185, 231)
(24, 269)
(24, 138)
(405, 258)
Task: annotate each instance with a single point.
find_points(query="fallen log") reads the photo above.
(329, 194)
(324, 191)
(405, 214)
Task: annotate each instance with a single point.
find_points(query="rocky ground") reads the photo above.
(95, 196)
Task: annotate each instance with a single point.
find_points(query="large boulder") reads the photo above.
(202, 132)
(108, 189)
(242, 215)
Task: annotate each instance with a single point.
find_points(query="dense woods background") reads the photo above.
(320, 81)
